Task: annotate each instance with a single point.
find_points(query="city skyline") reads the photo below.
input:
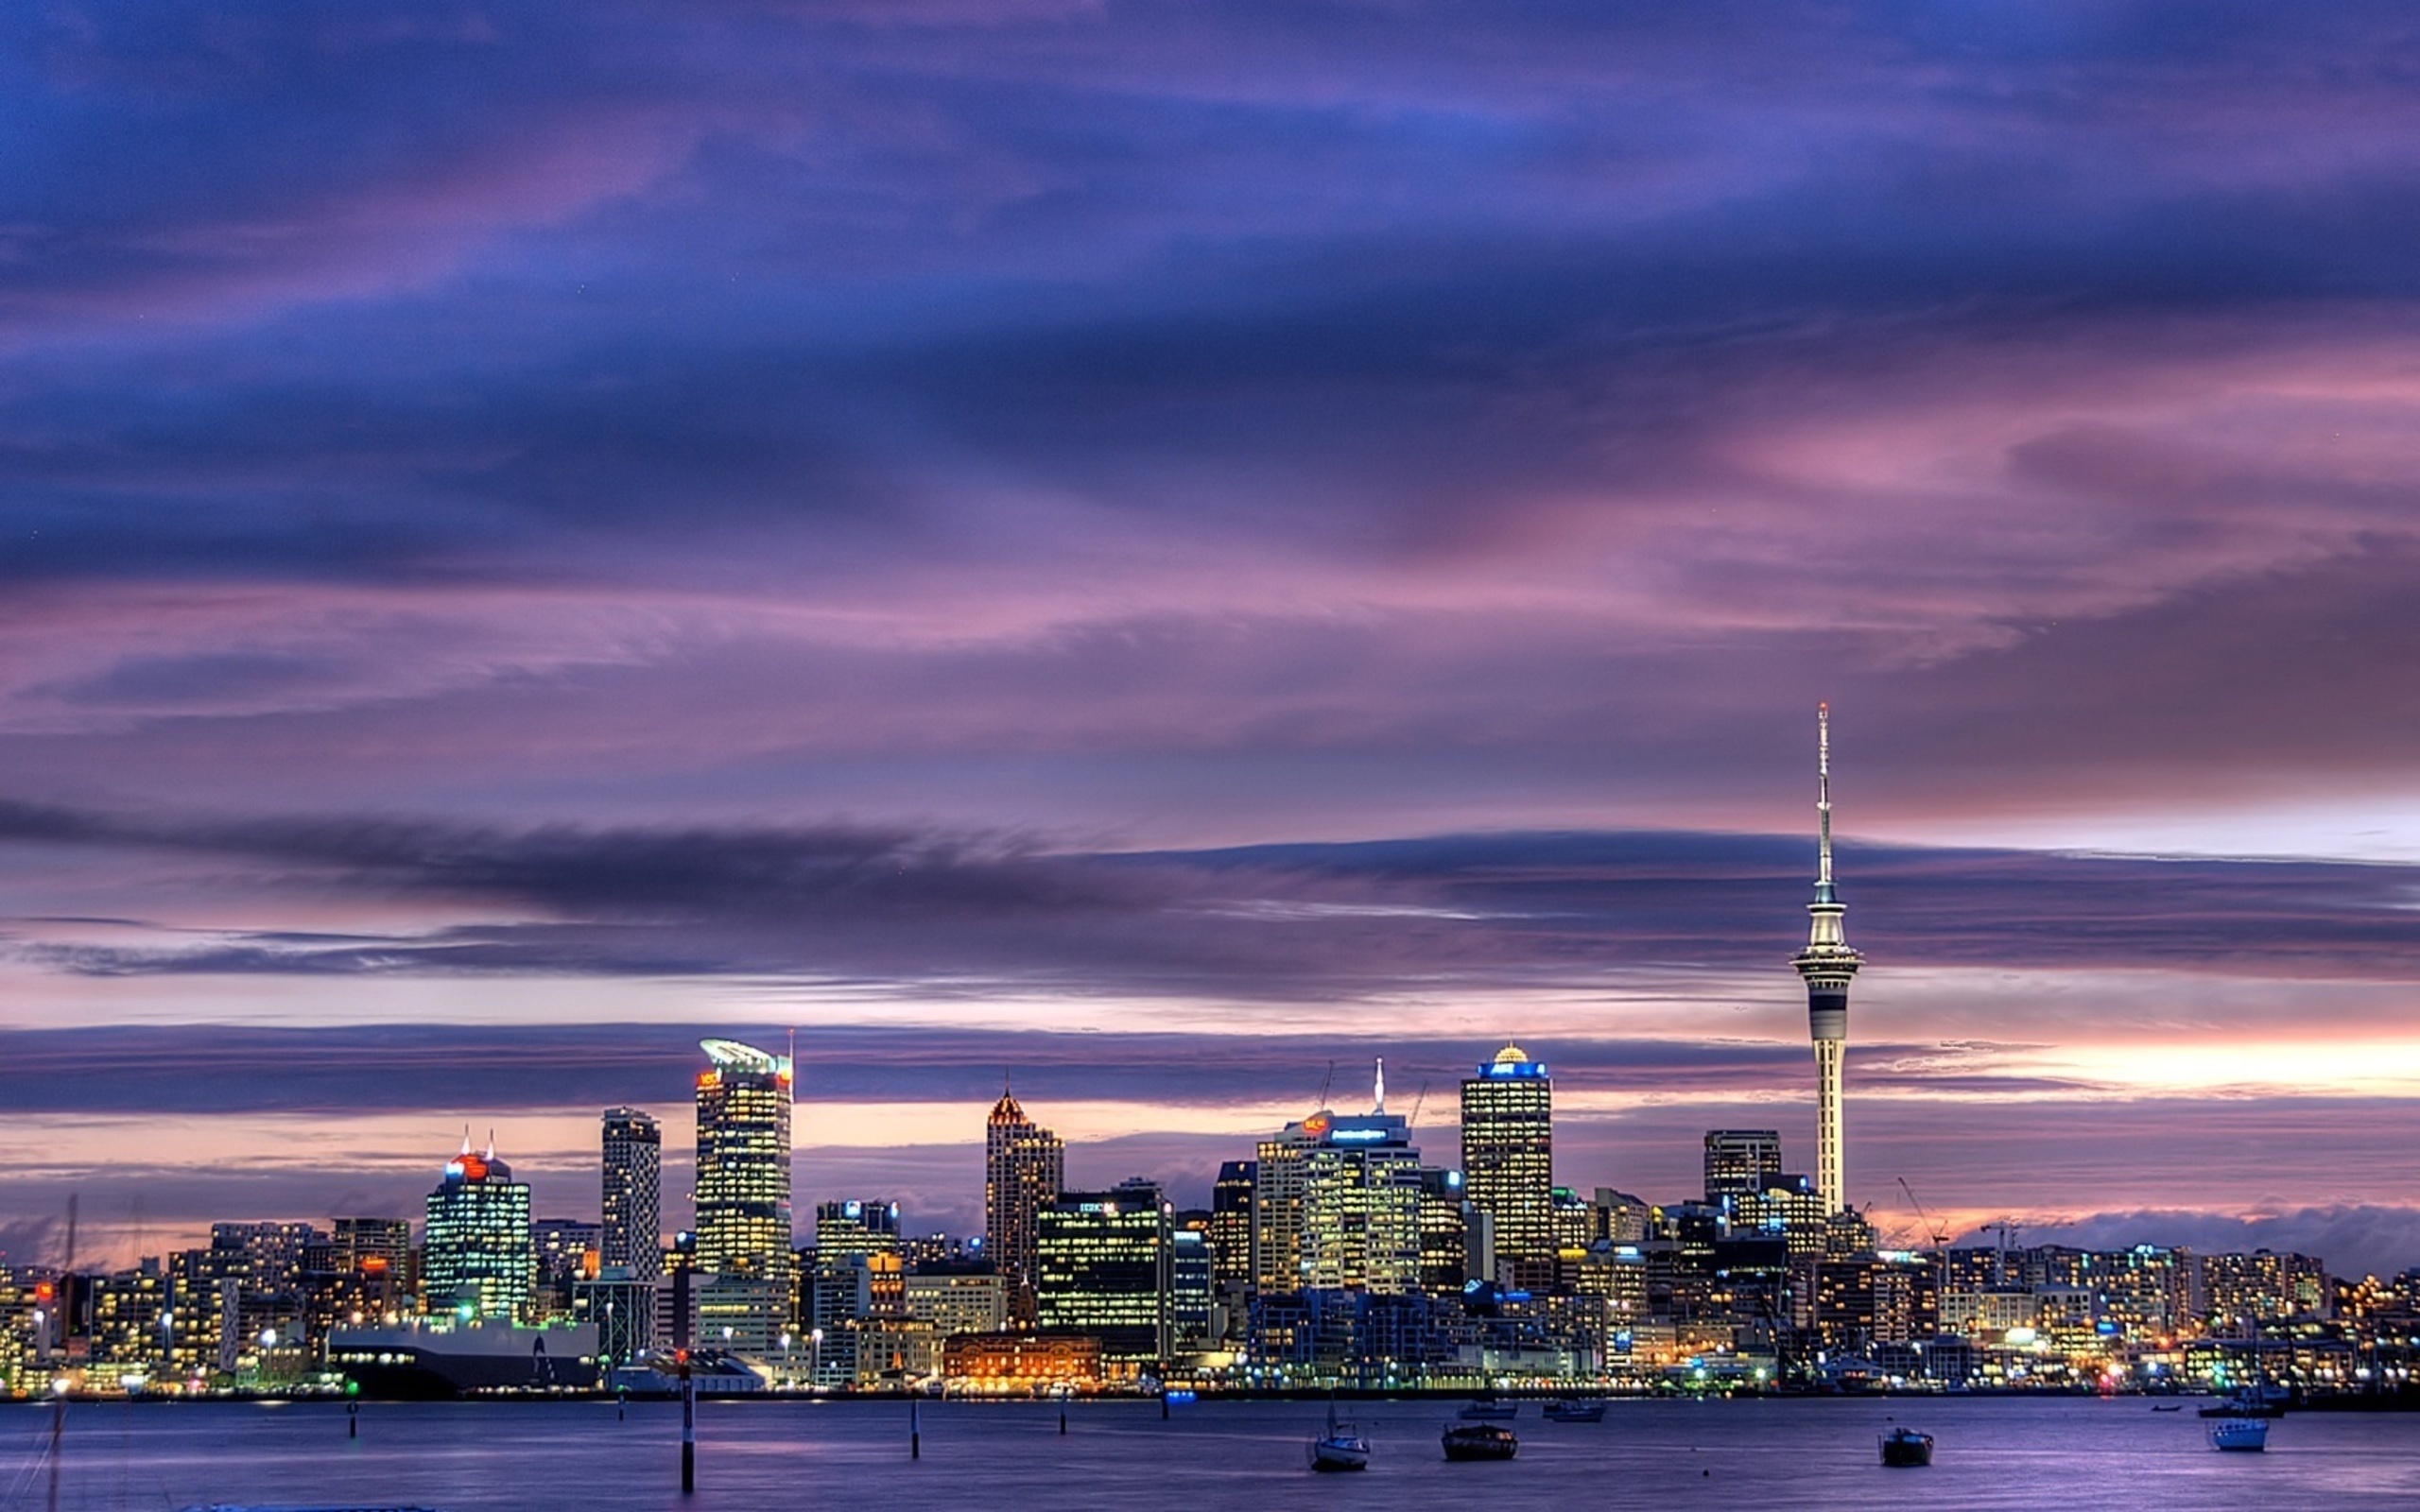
(1152, 551)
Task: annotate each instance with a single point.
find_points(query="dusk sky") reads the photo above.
(1153, 548)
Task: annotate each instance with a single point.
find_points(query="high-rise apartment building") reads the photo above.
(478, 1261)
(634, 1194)
(743, 1162)
(1023, 1167)
(1740, 1161)
(1508, 1155)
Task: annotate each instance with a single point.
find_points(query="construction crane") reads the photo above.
(1933, 1225)
(1413, 1122)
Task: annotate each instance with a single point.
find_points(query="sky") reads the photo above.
(1165, 552)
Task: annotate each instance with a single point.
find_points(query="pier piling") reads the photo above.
(688, 1431)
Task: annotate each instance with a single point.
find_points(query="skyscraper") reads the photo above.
(743, 1162)
(478, 1261)
(633, 1225)
(1740, 1161)
(1230, 1224)
(1104, 1267)
(1826, 965)
(1508, 1155)
(1339, 1204)
(1023, 1167)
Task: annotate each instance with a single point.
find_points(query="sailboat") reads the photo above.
(1342, 1448)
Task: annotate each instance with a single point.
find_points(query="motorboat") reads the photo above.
(1342, 1448)
(2243, 1436)
(1905, 1448)
(2167, 1406)
(1576, 1410)
(1479, 1441)
(1487, 1407)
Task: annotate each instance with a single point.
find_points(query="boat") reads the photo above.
(1487, 1407)
(1479, 1441)
(426, 1362)
(2245, 1436)
(1342, 1448)
(2167, 1406)
(1576, 1410)
(1905, 1448)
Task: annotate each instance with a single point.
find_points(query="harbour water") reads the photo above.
(1807, 1454)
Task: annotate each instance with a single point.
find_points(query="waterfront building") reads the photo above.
(1021, 1365)
(744, 1164)
(969, 1298)
(1826, 966)
(1023, 1167)
(2147, 1292)
(2261, 1287)
(127, 1339)
(478, 1261)
(632, 1227)
(1508, 1157)
(1740, 1161)
(744, 1312)
(1103, 1267)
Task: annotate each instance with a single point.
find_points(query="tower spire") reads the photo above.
(1378, 1090)
(1824, 793)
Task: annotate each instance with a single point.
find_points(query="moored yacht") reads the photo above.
(1342, 1448)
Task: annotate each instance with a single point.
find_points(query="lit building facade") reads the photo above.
(959, 1300)
(1739, 1161)
(743, 1162)
(1023, 1167)
(478, 1261)
(1230, 1226)
(1104, 1268)
(632, 1237)
(1508, 1156)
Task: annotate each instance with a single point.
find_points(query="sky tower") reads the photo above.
(1826, 964)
